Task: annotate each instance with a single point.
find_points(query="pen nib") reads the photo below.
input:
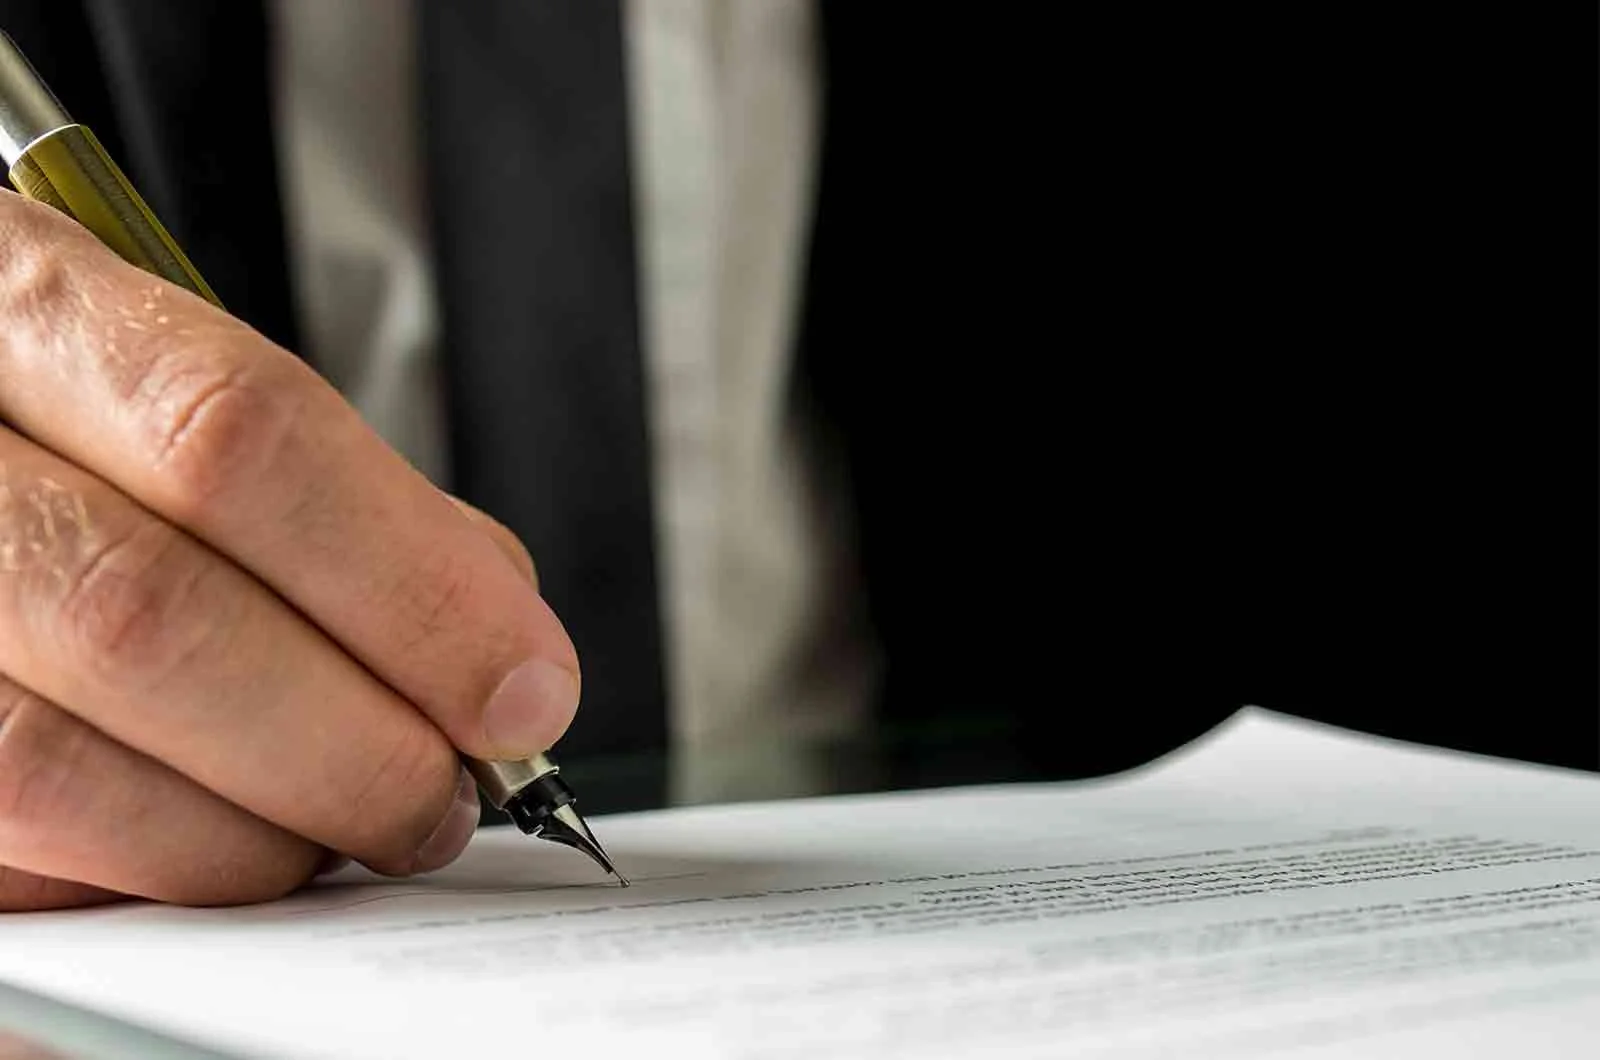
(564, 826)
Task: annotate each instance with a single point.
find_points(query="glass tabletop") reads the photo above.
(992, 746)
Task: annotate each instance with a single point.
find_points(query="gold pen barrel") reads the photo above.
(54, 160)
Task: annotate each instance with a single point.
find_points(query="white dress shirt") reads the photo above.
(765, 642)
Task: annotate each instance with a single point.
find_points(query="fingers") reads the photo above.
(83, 817)
(218, 431)
(168, 649)
(510, 544)
(23, 892)
(16, 1047)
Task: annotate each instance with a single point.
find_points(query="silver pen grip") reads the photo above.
(501, 781)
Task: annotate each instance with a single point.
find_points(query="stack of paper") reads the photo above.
(1277, 888)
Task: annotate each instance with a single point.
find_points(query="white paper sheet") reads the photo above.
(1277, 888)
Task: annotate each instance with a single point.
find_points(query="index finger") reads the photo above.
(221, 432)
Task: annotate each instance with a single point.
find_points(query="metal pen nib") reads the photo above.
(540, 803)
(564, 826)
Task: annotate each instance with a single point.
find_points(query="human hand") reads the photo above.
(16, 1047)
(238, 634)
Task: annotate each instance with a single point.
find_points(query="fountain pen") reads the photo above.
(52, 159)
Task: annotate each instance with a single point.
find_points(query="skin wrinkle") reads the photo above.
(161, 376)
(48, 748)
(156, 373)
(54, 294)
(132, 634)
(40, 270)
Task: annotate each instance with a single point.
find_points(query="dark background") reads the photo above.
(1230, 358)
(1214, 360)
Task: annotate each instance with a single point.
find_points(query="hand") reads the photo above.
(16, 1047)
(239, 635)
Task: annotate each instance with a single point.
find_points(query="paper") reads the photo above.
(1278, 888)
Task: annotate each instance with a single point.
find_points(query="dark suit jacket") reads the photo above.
(1166, 378)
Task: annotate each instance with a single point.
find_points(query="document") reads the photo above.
(1277, 888)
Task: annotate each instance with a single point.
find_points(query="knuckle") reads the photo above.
(130, 614)
(41, 751)
(33, 278)
(41, 252)
(404, 795)
(213, 427)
